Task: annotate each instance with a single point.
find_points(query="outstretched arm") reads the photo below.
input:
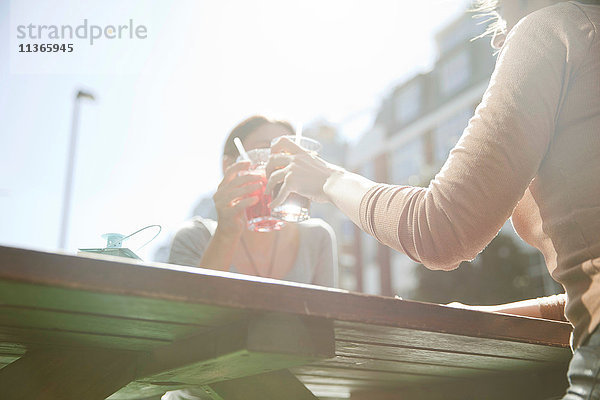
(488, 171)
(550, 307)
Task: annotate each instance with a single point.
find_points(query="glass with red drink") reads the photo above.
(258, 216)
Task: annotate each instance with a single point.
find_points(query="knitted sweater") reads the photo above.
(531, 151)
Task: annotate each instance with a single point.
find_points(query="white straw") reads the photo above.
(240, 147)
(298, 134)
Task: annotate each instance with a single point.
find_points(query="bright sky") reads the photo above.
(149, 146)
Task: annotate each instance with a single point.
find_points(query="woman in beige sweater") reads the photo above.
(530, 152)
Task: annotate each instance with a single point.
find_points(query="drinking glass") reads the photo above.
(258, 216)
(295, 208)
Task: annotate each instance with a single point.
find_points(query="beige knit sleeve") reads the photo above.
(495, 160)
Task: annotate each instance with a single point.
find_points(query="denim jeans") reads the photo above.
(584, 371)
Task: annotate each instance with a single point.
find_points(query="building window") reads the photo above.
(455, 73)
(448, 132)
(407, 161)
(408, 103)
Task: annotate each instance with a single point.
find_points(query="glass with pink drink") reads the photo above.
(258, 216)
(296, 208)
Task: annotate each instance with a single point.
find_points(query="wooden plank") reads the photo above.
(50, 337)
(398, 353)
(68, 375)
(141, 390)
(354, 383)
(372, 380)
(194, 285)
(420, 368)
(532, 385)
(275, 385)
(10, 352)
(375, 375)
(329, 392)
(4, 359)
(266, 343)
(364, 333)
(33, 318)
(294, 340)
(12, 348)
(24, 295)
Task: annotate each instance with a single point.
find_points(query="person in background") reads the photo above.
(305, 252)
(531, 151)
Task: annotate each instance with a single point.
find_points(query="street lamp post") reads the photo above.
(62, 241)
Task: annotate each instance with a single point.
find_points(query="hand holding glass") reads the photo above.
(296, 208)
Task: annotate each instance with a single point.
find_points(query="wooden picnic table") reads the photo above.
(78, 327)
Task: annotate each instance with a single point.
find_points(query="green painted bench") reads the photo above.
(74, 327)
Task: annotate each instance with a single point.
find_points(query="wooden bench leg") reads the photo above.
(67, 374)
(275, 385)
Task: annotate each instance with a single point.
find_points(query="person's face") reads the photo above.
(260, 138)
(263, 135)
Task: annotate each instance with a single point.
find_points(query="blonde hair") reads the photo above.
(487, 11)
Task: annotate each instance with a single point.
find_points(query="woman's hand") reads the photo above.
(233, 196)
(298, 171)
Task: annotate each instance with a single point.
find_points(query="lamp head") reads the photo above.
(85, 95)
